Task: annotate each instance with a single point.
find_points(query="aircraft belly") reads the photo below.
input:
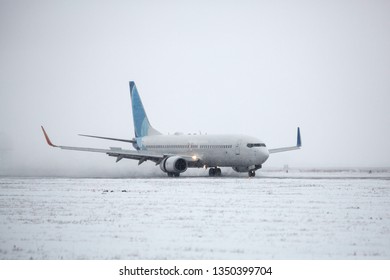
(226, 159)
(215, 159)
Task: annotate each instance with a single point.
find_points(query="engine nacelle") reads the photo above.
(174, 164)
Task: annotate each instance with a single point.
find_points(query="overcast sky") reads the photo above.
(259, 68)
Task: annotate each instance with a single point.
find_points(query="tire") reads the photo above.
(252, 173)
(211, 172)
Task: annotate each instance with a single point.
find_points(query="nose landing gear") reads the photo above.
(252, 173)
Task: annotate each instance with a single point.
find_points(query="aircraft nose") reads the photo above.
(264, 154)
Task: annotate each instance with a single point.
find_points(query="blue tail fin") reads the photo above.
(142, 126)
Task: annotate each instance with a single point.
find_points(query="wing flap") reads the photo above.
(119, 153)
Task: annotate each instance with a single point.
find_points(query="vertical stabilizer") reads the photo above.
(142, 126)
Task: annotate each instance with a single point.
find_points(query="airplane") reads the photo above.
(178, 152)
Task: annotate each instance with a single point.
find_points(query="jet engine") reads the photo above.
(174, 164)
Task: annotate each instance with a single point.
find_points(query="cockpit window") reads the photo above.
(251, 145)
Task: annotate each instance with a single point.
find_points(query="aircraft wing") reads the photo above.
(285, 149)
(109, 138)
(119, 153)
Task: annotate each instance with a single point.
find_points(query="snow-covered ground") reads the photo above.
(273, 216)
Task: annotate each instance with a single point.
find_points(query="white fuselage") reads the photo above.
(214, 150)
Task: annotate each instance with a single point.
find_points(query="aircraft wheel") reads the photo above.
(252, 173)
(212, 172)
(218, 172)
(176, 174)
(170, 174)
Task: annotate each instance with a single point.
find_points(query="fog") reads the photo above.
(259, 68)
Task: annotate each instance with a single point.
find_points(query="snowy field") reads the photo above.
(273, 216)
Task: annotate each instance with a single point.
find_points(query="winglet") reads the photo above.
(299, 142)
(47, 138)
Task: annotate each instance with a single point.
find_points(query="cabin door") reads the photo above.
(238, 144)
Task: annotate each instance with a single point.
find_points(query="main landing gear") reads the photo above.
(215, 172)
(252, 173)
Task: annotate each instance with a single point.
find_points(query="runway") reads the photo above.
(273, 216)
